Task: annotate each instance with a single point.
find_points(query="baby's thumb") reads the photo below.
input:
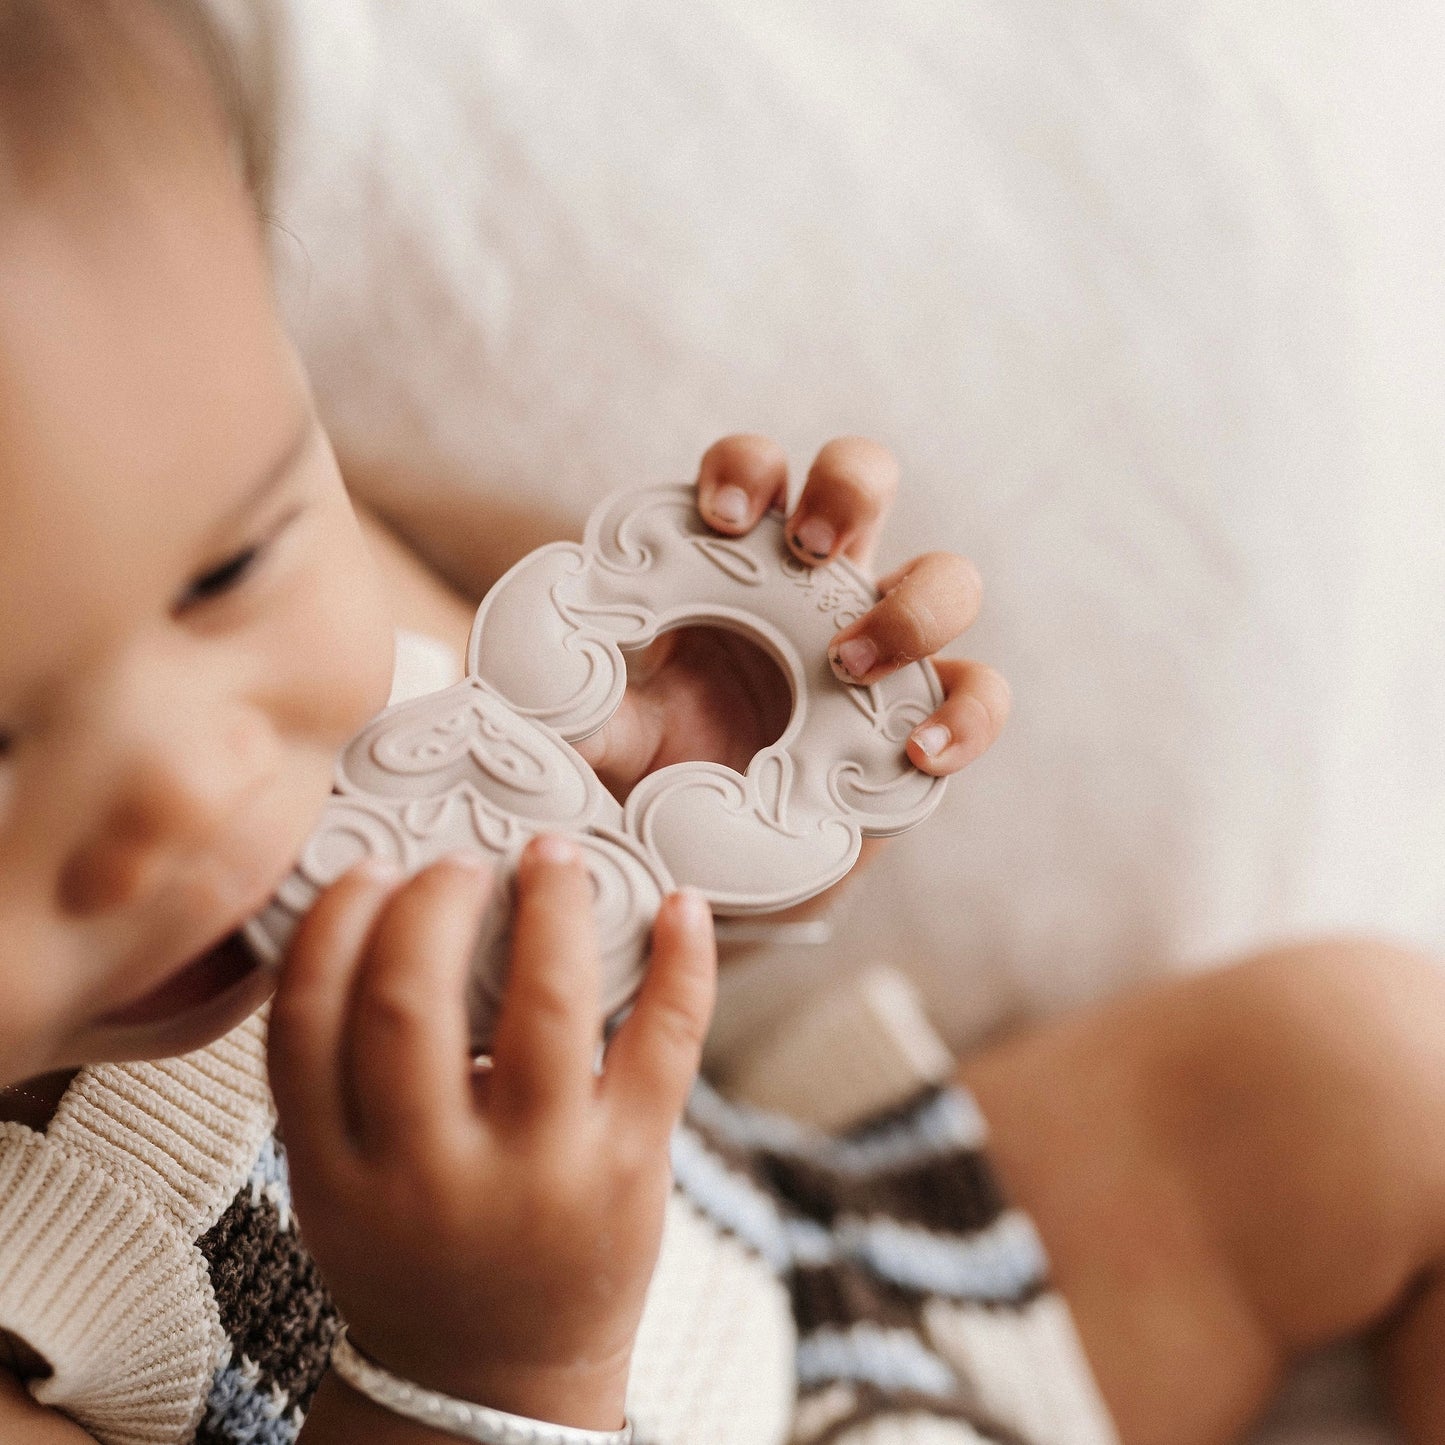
(619, 752)
(654, 1058)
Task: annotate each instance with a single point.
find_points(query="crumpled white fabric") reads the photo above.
(1145, 296)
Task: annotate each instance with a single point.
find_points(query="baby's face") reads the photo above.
(190, 627)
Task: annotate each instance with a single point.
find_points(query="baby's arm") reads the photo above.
(678, 706)
(688, 698)
(454, 1214)
(24, 1422)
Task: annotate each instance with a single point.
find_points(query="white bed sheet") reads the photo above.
(1146, 297)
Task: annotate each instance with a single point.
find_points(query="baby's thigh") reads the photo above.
(1413, 1357)
(1230, 1169)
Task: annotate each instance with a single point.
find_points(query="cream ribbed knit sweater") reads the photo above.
(99, 1217)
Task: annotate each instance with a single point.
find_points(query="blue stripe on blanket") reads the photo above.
(270, 1179)
(868, 1354)
(947, 1122)
(730, 1199)
(237, 1411)
(1003, 1261)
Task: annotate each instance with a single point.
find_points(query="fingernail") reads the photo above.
(694, 909)
(857, 656)
(815, 537)
(730, 504)
(932, 739)
(552, 848)
(378, 870)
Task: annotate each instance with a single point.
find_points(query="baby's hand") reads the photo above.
(701, 693)
(488, 1234)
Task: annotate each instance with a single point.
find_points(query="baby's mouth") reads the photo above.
(204, 978)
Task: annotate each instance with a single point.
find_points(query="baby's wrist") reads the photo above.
(583, 1395)
(574, 1396)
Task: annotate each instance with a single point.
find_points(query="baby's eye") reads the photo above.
(220, 579)
(6, 742)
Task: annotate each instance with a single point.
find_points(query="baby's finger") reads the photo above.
(739, 478)
(620, 751)
(654, 1057)
(847, 495)
(925, 605)
(548, 1029)
(967, 722)
(306, 1032)
(408, 1062)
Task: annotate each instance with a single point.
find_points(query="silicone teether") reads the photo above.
(550, 637)
(459, 769)
(487, 763)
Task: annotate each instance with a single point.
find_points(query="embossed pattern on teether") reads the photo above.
(459, 769)
(550, 638)
(487, 763)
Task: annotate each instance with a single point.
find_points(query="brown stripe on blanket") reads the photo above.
(843, 1293)
(956, 1192)
(874, 1404)
(272, 1303)
(902, 1112)
(955, 1189)
(738, 1158)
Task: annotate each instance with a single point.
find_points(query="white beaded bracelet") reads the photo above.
(479, 1423)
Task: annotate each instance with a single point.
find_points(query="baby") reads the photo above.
(1224, 1172)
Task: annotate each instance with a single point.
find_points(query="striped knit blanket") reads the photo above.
(865, 1288)
(919, 1296)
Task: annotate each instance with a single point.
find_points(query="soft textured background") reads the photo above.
(1147, 297)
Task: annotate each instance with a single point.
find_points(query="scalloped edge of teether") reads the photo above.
(648, 564)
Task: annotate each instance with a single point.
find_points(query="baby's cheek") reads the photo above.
(360, 646)
(39, 986)
(349, 627)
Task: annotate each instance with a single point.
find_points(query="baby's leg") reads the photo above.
(1413, 1359)
(1231, 1169)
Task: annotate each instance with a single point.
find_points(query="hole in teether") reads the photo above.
(697, 694)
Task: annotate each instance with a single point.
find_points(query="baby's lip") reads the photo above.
(201, 974)
(202, 978)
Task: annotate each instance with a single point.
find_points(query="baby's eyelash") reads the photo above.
(221, 579)
(236, 568)
(6, 742)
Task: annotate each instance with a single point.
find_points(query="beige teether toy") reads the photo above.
(486, 764)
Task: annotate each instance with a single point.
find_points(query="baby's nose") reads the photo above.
(173, 802)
